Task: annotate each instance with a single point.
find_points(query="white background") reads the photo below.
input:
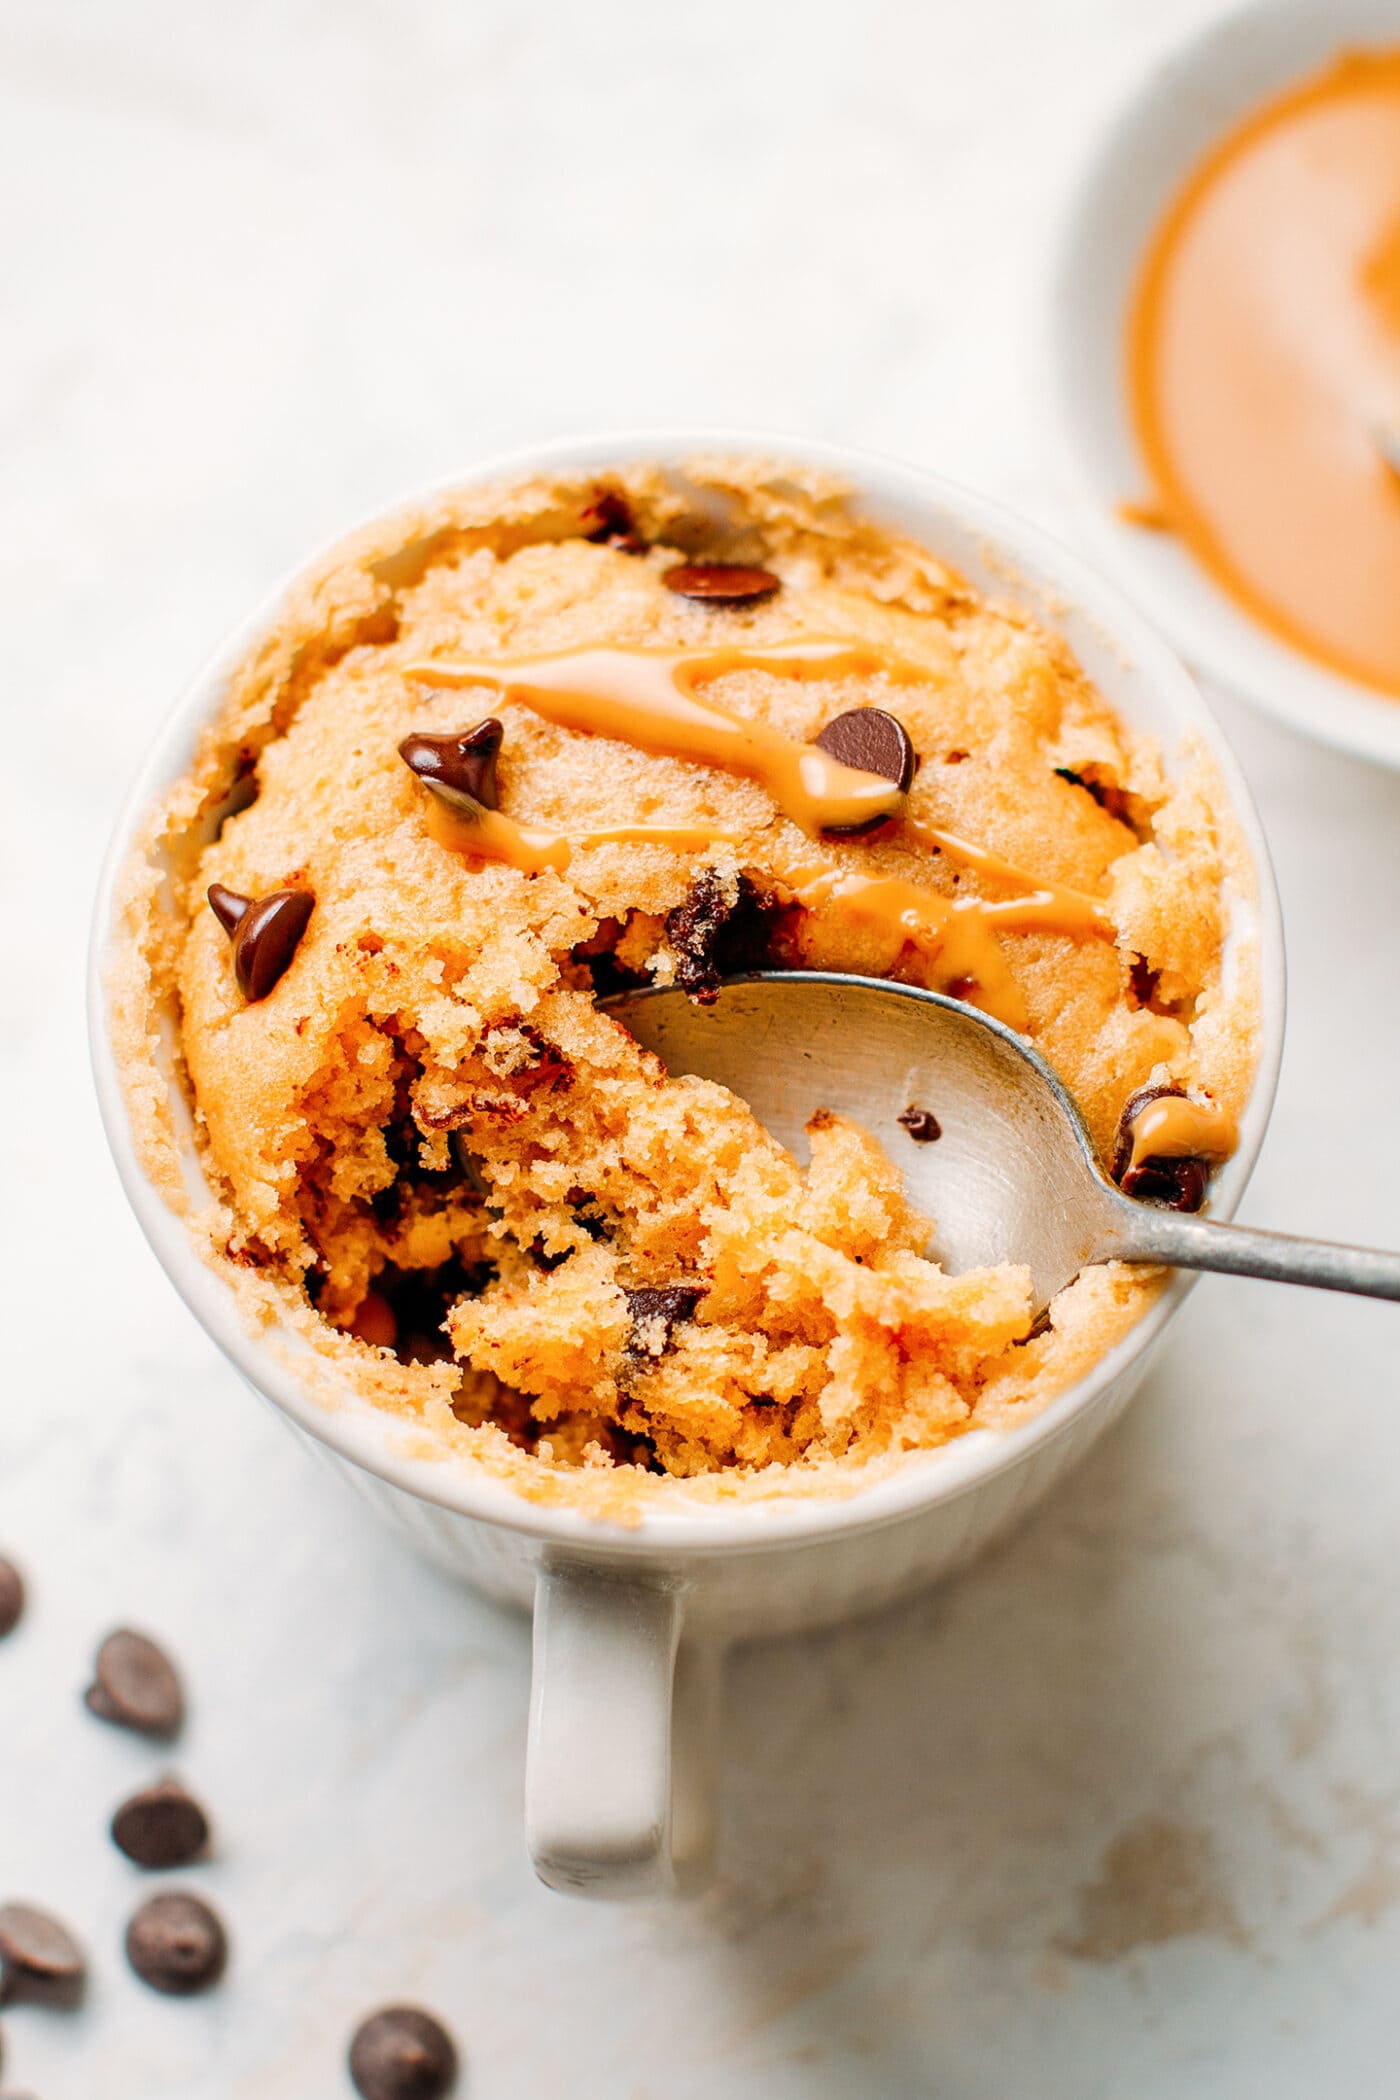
(1118, 1814)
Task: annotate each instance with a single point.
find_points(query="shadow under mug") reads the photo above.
(631, 1621)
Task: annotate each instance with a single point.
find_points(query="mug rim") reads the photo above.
(364, 1434)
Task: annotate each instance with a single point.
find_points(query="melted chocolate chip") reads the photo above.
(656, 1309)
(1142, 980)
(176, 1944)
(228, 906)
(268, 936)
(922, 1125)
(873, 742)
(720, 932)
(1112, 799)
(608, 521)
(39, 1958)
(721, 582)
(461, 768)
(1180, 1184)
(11, 1597)
(136, 1685)
(402, 2053)
(162, 1826)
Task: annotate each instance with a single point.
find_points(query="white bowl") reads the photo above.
(1182, 108)
(611, 1600)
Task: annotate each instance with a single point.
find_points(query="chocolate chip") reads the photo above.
(39, 1958)
(402, 2053)
(922, 1125)
(176, 1944)
(268, 936)
(228, 906)
(136, 1686)
(873, 742)
(161, 1827)
(11, 1597)
(608, 521)
(461, 768)
(1180, 1184)
(1111, 798)
(721, 582)
(721, 931)
(656, 1309)
(1143, 980)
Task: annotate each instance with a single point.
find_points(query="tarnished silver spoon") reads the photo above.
(1013, 1177)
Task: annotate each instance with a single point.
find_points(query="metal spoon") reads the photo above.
(1014, 1177)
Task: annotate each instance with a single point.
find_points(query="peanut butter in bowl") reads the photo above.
(1264, 366)
(570, 733)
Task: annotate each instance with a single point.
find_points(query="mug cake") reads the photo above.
(561, 736)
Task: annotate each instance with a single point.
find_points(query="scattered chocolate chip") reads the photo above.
(268, 936)
(11, 1597)
(721, 931)
(402, 2054)
(136, 1685)
(873, 742)
(656, 1309)
(228, 906)
(721, 582)
(40, 1960)
(608, 521)
(1180, 1184)
(922, 1125)
(461, 768)
(176, 1944)
(162, 1826)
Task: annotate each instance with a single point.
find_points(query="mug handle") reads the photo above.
(618, 1774)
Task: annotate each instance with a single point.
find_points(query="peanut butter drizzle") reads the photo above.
(1171, 1127)
(649, 697)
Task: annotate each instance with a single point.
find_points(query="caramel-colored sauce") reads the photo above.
(1171, 1127)
(651, 698)
(1264, 355)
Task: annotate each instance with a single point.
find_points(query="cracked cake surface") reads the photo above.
(437, 1157)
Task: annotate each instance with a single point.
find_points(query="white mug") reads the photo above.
(631, 1622)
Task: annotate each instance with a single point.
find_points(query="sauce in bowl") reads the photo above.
(1264, 362)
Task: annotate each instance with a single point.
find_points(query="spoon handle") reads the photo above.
(1200, 1243)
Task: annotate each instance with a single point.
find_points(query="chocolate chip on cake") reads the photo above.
(402, 2053)
(11, 1597)
(1179, 1183)
(176, 1944)
(656, 1309)
(607, 520)
(39, 1958)
(722, 929)
(162, 1826)
(461, 768)
(228, 906)
(268, 936)
(871, 741)
(922, 1124)
(721, 582)
(136, 1685)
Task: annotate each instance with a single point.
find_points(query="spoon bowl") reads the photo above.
(1013, 1175)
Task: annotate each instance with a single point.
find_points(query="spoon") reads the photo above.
(1014, 1176)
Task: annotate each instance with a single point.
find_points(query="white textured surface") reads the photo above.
(262, 268)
